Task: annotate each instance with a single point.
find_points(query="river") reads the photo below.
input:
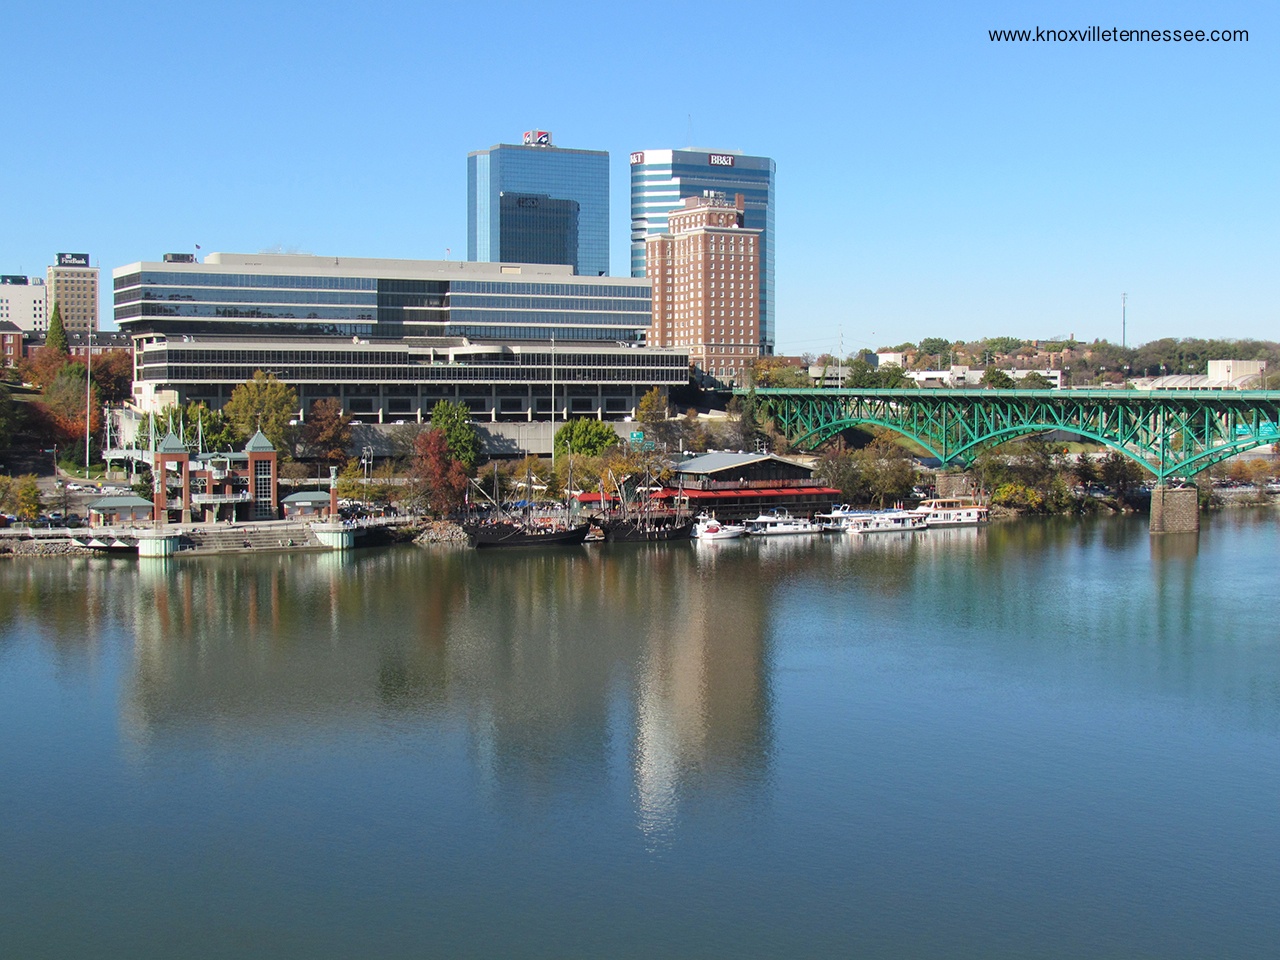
(1041, 739)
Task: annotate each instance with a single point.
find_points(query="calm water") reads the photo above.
(1036, 740)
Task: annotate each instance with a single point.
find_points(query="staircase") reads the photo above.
(246, 539)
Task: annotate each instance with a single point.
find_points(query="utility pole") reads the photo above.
(1124, 321)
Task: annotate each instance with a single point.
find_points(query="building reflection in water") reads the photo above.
(702, 718)
(565, 669)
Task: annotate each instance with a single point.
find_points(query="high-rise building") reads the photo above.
(661, 180)
(22, 302)
(523, 197)
(705, 273)
(73, 286)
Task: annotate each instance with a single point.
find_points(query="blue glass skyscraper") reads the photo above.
(535, 169)
(662, 179)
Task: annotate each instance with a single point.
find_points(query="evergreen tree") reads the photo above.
(56, 339)
(454, 418)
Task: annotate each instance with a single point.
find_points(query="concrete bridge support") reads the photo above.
(1175, 510)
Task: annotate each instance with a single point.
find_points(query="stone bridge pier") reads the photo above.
(1175, 510)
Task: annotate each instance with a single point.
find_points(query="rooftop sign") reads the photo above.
(73, 259)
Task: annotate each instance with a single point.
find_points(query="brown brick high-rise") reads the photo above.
(706, 286)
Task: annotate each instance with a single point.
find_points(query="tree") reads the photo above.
(440, 476)
(27, 502)
(842, 469)
(56, 339)
(936, 347)
(997, 379)
(1034, 381)
(454, 418)
(1120, 473)
(327, 431)
(267, 404)
(1003, 346)
(113, 376)
(776, 372)
(585, 436)
(64, 403)
(887, 468)
(8, 416)
(653, 408)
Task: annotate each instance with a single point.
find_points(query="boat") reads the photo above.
(887, 521)
(952, 512)
(512, 533)
(707, 527)
(640, 520)
(839, 517)
(645, 530)
(779, 523)
(523, 529)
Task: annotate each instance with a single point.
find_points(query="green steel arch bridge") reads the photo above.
(1171, 433)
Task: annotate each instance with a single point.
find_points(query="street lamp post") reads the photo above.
(88, 400)
(366, 461)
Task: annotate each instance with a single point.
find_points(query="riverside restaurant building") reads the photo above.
(390, 338)
(740, 486)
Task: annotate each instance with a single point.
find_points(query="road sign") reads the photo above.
(637, 436)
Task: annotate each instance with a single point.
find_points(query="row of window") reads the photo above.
(176, 373)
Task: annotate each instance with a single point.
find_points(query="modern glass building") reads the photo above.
(661, 180)
(538, 168)
(536, 228)
(391, 337)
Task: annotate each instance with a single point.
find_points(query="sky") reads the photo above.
(930, 182)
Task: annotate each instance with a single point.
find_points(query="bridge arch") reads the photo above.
(1169, 433)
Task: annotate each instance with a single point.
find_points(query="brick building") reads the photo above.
(705, 272)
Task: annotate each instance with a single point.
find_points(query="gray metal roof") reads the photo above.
(713, 462)
(114, 503)
(307, 496)
(171, 444)
(258, 443)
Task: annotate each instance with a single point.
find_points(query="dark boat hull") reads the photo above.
(512, 535)
(633, 531)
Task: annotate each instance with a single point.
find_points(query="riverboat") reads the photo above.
(780, 523)
(951, 512)
(839, 517)
(887, 521)
(708, 527)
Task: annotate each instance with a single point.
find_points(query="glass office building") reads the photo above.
(536, 228)
(661, 180)
(389, 338)
(538, 168)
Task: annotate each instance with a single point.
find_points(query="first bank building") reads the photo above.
(390, 338)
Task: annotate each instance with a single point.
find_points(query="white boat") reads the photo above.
(951, 512)
(708, 527)
(779, 523)
(839, 517)
(887, 521)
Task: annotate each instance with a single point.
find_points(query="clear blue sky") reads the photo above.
(930, 182)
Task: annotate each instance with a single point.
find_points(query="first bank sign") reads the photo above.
(73, 259)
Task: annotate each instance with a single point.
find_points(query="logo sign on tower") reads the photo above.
(73, 259)
(720, 159)
(637, 157)
(537, 138)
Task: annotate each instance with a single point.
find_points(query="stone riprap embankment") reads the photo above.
(441, 531)
(22, 547)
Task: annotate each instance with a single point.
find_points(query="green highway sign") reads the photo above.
(637, 435)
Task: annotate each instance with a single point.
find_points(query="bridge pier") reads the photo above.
(1175, 510)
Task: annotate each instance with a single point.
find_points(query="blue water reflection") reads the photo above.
(1040, 739)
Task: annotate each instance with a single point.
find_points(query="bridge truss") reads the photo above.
(1171, 433)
